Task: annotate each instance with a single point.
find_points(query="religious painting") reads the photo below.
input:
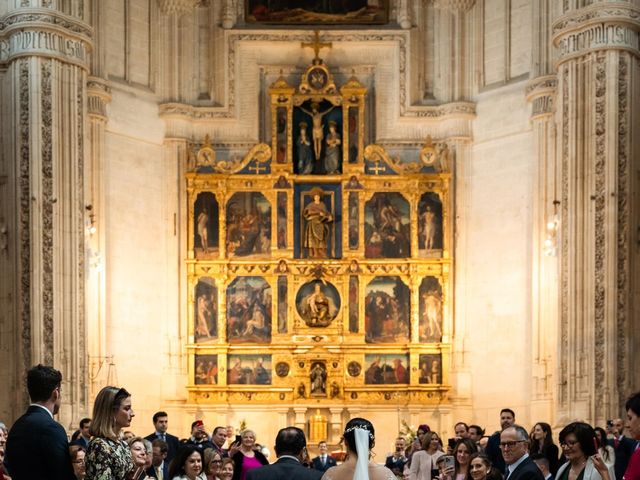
(317, 138)
(353, 135)
(205, 226)
(249, 370)
(317, 12)
(318, 303)
(318, 379)
(354, 224)
(430, 310)
(282, 304)
(206, 310)
(248, 224)
(318, 221)
(430, 233)
(206, 370)
(281, 219)
(249, 307)
(354, 303)
(281, 135)
(387, 308)
(386, 368)
(430, 369)
(387, 228)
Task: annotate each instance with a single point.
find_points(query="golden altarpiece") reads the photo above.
(318, 266)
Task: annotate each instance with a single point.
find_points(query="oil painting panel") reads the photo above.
(206, 370)
(317, 12)
(205, 226)
(430, 234)
(248, 225)
(430, 310)
(386, 369)
(387, 311)
(206, 310)
(249, 307)
(249, 369)
(430, 369)
(387, 226)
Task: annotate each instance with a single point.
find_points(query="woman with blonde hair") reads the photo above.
(108, 457)
(246, 457)
(423, 461)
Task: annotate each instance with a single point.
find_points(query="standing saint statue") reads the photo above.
(318, 133)
(305, 156)
(318, 377)
(332, 153)
(316, 230)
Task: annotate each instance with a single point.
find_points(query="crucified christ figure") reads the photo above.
(317, 133)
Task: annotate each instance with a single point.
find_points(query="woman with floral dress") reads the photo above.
(108, 457)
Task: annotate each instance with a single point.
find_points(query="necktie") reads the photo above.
(159, 472)
(616, 442)
(324, 460)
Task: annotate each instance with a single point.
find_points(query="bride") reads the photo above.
(359, 437)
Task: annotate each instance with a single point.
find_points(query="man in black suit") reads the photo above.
(85, 435)
(219, 438)
(323, 462)
(543, 464)
(397, 460)
(36, 435)
(161, 423)
(514, 443)
(291, 449)
(623, 446)
(493, 450)
(159, 466)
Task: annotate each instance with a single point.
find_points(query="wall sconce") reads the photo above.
(91, 224)
(553, 224)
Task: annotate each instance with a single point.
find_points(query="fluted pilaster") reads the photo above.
(598, 146)
(46, 52)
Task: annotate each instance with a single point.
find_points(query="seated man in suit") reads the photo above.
(159, 466)
(36, 435)
(291, 449)
(161, 424)
(323, 462)
(514, 443)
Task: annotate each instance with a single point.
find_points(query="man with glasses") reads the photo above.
(514, 444)
(36, 435)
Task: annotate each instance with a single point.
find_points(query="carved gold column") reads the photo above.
(540, 93)
(45, 51)
(598, 93)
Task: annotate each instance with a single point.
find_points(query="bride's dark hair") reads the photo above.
(350, 436)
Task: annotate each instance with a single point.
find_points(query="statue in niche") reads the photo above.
(305, 156)
(318, 377)
(317, 225)
(318, 303)
(332, 154)
(318, 133)
(203, 230)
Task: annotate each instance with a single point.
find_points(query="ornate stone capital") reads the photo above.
(177, 7)
(541, 92)
(98, 96)
(46, 33)
(598, 27)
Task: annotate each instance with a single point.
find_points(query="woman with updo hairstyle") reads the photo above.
(108, 457)
(187, 464)
(359, 438)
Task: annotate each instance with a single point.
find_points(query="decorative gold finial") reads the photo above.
(316, 45)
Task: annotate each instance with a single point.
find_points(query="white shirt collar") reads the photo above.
(514, 465)
(42, 407)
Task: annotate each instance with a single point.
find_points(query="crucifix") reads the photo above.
(376, 169)
(316, 45)
(257, 169)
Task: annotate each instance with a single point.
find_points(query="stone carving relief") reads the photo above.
(177, 7)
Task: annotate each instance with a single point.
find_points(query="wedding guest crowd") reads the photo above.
(102, 448)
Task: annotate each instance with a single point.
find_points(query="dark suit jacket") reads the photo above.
(151, 471)
(37, 448)
(81, 442)
(494, 453)
(317, 463)
(626, 447)
(284, 469)
(172, 442)
(527, 470)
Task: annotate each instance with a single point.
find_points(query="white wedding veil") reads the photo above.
(362, 449)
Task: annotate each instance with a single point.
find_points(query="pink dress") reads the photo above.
(249, 463)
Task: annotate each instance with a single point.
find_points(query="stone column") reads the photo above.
(598, 97)
(540, 92)
(46, 53)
